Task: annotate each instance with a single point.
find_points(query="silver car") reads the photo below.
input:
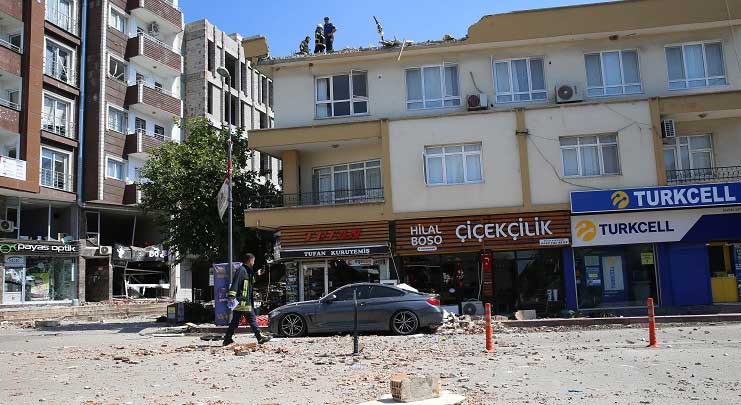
(380, 308)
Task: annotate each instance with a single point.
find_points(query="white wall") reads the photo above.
(726, 135)
(500, 162)
(630, 121)
(564, 63)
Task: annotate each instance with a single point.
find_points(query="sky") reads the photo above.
(285, 23)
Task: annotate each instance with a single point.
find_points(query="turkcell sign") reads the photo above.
(649, 198)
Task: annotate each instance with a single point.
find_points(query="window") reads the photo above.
(58, 62)
(613, 73)
(116, 119)
(695, 65)
(210, 101)
(116, 68)
(140, 125)
(348, 182)
(117, 20)
(385, 292)
(114, 169)
(211, 56)
(56, 117)
(159, 132)
(683, 154)
(432, 87)
(453, 164)
(61, 13)
(265, 161)
(55, 170)
(342, 95)
(590, 155)
(14, 97)
(17, 41)
(519, 80)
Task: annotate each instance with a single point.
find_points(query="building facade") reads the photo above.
(472, 151)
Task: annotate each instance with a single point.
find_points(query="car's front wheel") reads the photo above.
(292, 325)
(404, 322)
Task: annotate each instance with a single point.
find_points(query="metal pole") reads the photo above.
(229, 170)
(355, 342)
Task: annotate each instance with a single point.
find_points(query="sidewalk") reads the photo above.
(89, 311)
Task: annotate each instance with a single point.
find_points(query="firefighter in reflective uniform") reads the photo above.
(242, 291)
(319, 39)
(303, 49)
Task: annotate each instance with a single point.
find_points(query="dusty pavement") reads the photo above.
(113, 363)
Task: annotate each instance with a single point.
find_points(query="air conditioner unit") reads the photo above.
(667, 129)
(105, 250)
(153, 28)
(7, 226)
(473, 308)
(568, 93)
(477, 102)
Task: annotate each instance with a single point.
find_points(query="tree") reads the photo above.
(182, 181)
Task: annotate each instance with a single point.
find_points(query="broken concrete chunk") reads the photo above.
(525, 314)
(45, 323)
(410, 388)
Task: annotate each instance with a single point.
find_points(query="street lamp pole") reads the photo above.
(228, 106)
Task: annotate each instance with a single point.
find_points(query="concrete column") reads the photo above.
(522, 134)
(655, 111)
(290, 172)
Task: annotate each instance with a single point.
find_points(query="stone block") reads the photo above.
(45, 323)
(410, 388)
(526, 314)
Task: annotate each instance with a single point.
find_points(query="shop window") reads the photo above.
(725, 260)
(611, 277)
(40, 279)
(343, 272)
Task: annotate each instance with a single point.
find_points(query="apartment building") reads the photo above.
(39, 140)
(132, 105)
(518, 165)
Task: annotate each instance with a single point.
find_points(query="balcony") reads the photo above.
(10, 58)
(148, 99)
(143, 141)
(13, 8)
(60, 72)
(56, 180)
(13, 168)
(10, 117)
(160, 11)
(58, 125)
(706, 175)
(63, 20)
(152, 53)
(132, 194)
(338, 197)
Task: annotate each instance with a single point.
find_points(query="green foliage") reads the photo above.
(183, 180)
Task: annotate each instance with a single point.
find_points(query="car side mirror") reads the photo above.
(329, 299)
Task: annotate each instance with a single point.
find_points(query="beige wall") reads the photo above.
(631, 122)
(564, 63)
(500, 162)
(330, 156)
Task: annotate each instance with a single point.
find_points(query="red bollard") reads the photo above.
(487, 318)
(651, 324)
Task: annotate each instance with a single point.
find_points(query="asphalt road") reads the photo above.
(121, 363)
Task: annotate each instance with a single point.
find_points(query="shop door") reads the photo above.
(504, 269)
(14, 287)
(313, 281)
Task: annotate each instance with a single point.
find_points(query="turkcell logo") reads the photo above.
(699, 195)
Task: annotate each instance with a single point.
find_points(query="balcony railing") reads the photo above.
(356, 196)
(57, 125)
(10, 104)
(143, 132)
(164, 10)
(62, 19)
(703, 175)
(13, 168)
(57, 180)
(59, 71)
(10, 46)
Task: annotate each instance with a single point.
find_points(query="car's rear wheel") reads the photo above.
(292, 325)
(404, 322)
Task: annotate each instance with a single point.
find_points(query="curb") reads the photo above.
(628, 320)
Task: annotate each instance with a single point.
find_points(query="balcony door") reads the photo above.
(55, 169)
(348, 183)
(58, 62)
(689, 158)
(56, 116)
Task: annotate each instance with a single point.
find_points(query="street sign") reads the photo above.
(222, 199)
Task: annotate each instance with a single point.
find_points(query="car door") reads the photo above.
(381, 304)
(336, 315)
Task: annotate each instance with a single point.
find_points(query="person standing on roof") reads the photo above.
(319, 39)
(303, 49)
(241, 290)
(329, 30)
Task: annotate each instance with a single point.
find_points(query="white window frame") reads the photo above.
(623, 84)
(69, 167)
(352, 100)
(512, 91)
(707, 78)
(119, 161)
(349, 198)
(125, 67)
(424, 100)
(71, 75)
(18, 34)
(125, 119)
(124, 17)
(678, 154)
(70, 113)
(71, 19)
(599, 144)
(463, 153)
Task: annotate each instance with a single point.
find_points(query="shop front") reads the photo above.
(677, 244)
(514, 261)
(319, 259)
(36, 272)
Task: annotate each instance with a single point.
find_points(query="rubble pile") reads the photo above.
(468, 325)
